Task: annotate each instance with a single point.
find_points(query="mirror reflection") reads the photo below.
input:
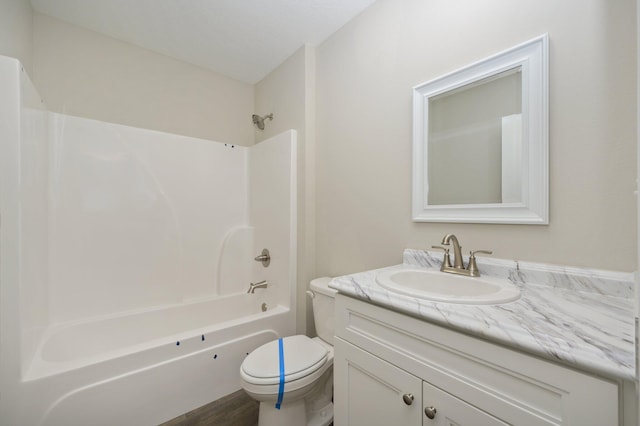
(474, 136)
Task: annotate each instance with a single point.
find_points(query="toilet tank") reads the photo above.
(323, 308)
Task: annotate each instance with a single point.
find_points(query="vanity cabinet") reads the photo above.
(393, 369)
(379, 393)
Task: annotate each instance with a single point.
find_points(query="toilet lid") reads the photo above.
(302, 356)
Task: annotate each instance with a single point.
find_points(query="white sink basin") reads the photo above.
(444, 287)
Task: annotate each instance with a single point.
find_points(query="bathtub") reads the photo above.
(125, 256)
(146, 367)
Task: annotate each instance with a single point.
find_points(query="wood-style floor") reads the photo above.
(236, 409)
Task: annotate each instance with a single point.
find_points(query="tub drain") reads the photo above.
(264, 307)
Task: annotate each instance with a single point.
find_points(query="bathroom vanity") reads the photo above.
(562, 354)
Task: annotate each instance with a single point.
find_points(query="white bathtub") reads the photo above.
(146, 367)
(108, 231)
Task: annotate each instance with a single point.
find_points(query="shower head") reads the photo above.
(259, 121)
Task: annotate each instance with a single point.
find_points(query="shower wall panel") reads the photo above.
(34, 210)
(138, 217)
(273, 210)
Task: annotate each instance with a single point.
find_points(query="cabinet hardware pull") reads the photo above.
(430, 412)
(407, 398)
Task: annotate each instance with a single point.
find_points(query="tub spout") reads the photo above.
(253, 286)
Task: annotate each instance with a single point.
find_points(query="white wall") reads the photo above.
(138, 217)
(365, 73)
(80, 72)
(16, 31)
(289, 93)
(10, 134)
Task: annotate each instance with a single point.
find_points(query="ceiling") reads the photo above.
(242, 39)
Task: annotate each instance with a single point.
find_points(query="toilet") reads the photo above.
(296, 389)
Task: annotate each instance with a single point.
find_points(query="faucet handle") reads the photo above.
(472, 267)
(472, 253)
(446, 262)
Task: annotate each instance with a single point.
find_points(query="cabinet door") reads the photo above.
(370, 391)
(447, 410)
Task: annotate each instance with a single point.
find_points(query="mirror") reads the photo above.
(480, 141)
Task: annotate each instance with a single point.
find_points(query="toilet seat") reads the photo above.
(302, 357)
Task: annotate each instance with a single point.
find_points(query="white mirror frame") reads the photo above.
(532, 58)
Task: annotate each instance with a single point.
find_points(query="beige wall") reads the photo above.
(16, 31)
(365, 73)
(288, 92)
(83, 73)
(637, 275)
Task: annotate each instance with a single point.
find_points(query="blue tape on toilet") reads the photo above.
(281, 386)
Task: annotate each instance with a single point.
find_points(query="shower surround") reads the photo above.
(126, 255)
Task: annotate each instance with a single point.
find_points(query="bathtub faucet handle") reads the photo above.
(253, 286)
(263, 257)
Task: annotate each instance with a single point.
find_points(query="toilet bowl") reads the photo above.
(292, 377)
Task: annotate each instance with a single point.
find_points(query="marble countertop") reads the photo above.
(579, 317)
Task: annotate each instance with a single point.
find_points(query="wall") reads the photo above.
(80, 72)
(137, 217)
(289, 93)
(365, 73)
(16, 31)
(10, 212)
(637, 275)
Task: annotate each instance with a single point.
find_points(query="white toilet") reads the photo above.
(302, 379)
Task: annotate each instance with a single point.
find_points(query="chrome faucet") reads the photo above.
(458, 265)
(253, 286)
